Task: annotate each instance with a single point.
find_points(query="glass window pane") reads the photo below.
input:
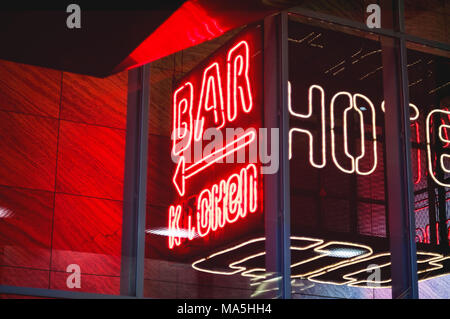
(339, 236)
(429, 94)
(205, 234)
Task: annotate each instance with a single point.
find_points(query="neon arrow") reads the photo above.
(182, 173)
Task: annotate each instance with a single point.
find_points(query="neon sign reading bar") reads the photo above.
(234, 196)
(211, 107)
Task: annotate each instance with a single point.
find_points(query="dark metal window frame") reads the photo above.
(276, 186)
(403, 270)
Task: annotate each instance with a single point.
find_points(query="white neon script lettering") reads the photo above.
(412, 106)
(305, 131)
(442, 139)
(373, 133)
(344, 128)
(352, 105)
(355, 162)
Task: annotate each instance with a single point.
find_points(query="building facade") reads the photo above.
(300, 155)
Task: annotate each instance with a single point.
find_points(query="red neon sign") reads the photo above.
(238, 80)
(211, 107)
(204, 100)
(182, 173)
(223, 203)
(418, 160)
(424, 236)
(211, 98)
(182, 107)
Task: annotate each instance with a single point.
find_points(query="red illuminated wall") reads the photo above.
(62, 144)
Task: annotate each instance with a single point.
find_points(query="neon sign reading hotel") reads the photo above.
(353, 101)
(221, 94)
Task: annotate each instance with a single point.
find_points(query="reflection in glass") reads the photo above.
(429, 90)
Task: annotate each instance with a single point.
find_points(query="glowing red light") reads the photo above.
(182, 172)
(211, 107)
(424, 236)
(227, 201)
(174, 225)
(183, 99)
(419, 163)
(238, 80)
(200, 103)
(211, 83)
(223, 203)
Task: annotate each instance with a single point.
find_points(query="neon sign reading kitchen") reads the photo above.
(353, 105)
(223, 203)
(233, 197)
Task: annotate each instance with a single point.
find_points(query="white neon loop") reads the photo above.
(207, 82)
(333, 137)
(351, 281)
(433, 259)
(374, 134)
(361, 133)
(324, 253)
(246, 273)
(232, 82)
(441, 129)
(307, 132)
(355, 162)
(414, 107)
(228, 273)
(428, 137)
(177, 117)
(444, 156)
(444, 138)
(317, 245)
